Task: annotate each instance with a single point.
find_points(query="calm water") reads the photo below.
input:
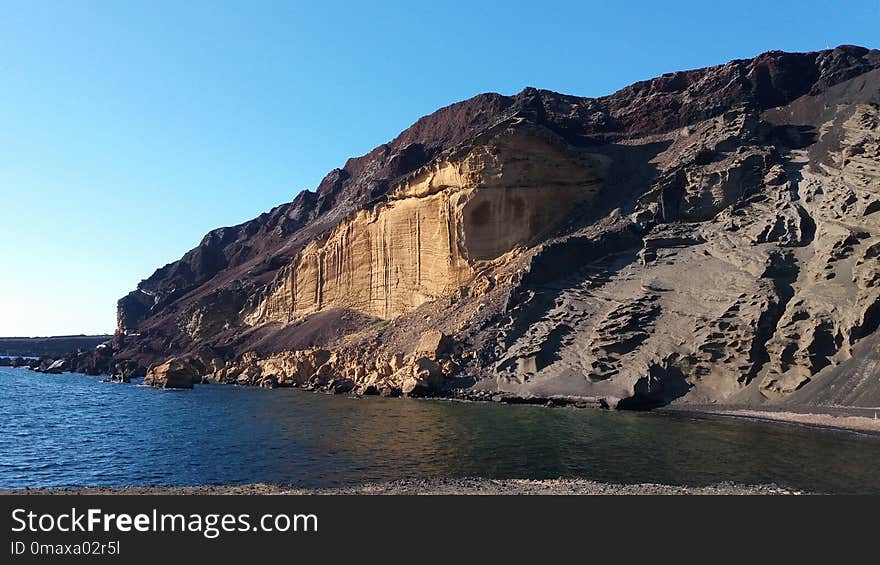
(68, 430)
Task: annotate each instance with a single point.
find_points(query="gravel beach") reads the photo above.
(437, 487)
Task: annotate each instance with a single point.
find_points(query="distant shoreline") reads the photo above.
(437, 486)
(818, 417)
(49, 346)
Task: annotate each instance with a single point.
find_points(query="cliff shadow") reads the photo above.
(583, 260)
(659, 387)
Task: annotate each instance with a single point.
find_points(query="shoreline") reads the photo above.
(431, 487)
(822, 418)
(833, 418)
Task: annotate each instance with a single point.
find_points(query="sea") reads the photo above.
(72, 430)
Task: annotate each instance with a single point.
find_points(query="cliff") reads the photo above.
(705, 236)
(441, 225)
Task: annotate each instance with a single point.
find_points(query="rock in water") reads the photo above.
(705, 236)
(56, 367)
(174, 373)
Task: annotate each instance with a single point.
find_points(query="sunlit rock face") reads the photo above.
(438, 227)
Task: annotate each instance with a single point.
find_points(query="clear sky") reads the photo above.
(129, 129)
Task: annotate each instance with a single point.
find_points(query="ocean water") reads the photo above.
(72, 430)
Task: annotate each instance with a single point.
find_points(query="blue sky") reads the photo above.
(129, 129)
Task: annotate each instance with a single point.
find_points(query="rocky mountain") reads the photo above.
(705, 236)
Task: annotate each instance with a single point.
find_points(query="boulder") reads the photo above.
(411, 386)
(244, 378)
(396, 362)
(174, 373)
(127, 369)
(341, 386)
(432, 344)
(428, 370)
(21, 362)
(269, 381)
(425, 379)
(318, 357)
(383, 368)
(56, 367)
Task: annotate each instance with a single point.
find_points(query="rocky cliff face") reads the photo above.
(706, 236)
(438, 227)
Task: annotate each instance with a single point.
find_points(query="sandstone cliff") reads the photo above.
(706, 236)
(439, 227)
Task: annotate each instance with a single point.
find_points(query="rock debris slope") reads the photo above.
(706, 236)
